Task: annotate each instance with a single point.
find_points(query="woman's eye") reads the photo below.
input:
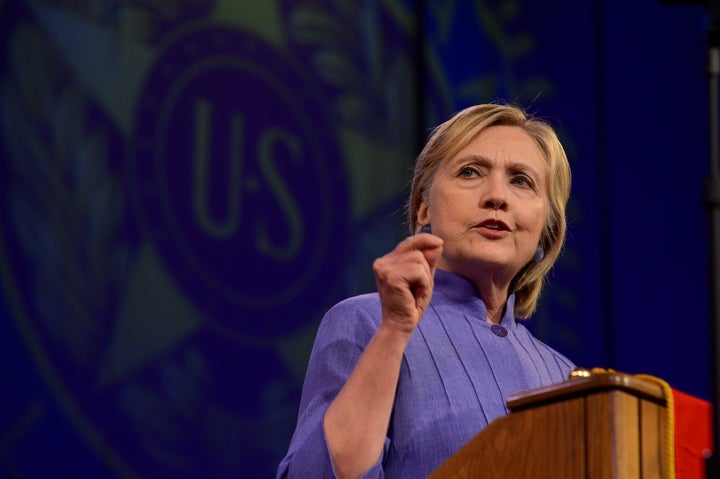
(468, 172)
(521, 180)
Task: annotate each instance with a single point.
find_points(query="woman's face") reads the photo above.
(489, 204)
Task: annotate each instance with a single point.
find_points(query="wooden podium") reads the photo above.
(597, 427)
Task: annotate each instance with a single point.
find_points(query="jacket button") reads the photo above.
(499, 330)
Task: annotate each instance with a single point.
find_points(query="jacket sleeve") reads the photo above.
(342, 336)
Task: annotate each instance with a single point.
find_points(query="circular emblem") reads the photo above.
(241, 190)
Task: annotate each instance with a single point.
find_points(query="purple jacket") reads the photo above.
(457, 372)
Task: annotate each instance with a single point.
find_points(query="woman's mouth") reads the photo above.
(493, 228)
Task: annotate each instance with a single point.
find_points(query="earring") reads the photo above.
(426, 228)
(539, 254)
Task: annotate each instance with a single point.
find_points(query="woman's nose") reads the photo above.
(495, 195)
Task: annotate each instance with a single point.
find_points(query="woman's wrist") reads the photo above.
(393, 336)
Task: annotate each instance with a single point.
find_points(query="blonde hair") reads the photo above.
(453, 135)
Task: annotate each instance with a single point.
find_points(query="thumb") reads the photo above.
(432, 255)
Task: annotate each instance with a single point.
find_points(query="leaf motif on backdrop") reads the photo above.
(167, 417)
(64, 203)
(376, 83)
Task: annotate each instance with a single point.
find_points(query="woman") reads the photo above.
(400, 379)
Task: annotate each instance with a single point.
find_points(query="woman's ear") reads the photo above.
(422, 216)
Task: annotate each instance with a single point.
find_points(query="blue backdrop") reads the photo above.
(187, 186)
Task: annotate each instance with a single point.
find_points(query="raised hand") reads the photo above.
(404, 279)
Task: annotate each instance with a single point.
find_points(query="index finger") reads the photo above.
(420, 241)
(428, 244)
